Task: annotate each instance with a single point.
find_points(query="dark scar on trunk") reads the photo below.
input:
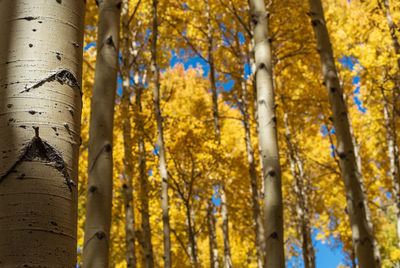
(63, 76)
(38, 148)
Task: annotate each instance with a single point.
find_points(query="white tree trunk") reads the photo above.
(40, 79)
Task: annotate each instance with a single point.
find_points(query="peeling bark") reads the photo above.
(100, 163)
(39, 169)
(269, 152)
(361, 231)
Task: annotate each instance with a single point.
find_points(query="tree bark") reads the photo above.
(160, 141)
(300, 190)
(225, 229)
(392, 28)
(257, 218)
(148, 257)
(394, 161)
(100, 163)
(127, 172)
(212, 237)
(273, 209)
(40, 79)
(361, 231)
(191, 233)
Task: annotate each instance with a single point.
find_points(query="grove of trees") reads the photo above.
(215, 133)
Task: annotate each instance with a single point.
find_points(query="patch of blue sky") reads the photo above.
(189, 61)
(91, 44)
(326, 256)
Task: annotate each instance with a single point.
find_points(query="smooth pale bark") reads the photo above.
(225, 229)
(145, 241)
(212, 237)
(390, 119)
(127, 172)
(191, 233)
(160, 141)
(257, 218)
(393, 28)
(100, 161)
(361, 231)
(40, 78)
(393, 160)
(300, 191)
(269, 152)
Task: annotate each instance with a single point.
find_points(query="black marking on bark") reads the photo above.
(97, 3)
(106, 148)
(271, 173)
(63, 76)
(40, 21)
(361, 205)
(274, 235)
(58, 56)
(261, 66)
(22, 126)
(59, 1)
(333, 89)
(119, 5)
(67, 128)
(29, 18)
(32, 112)
(110, 41)
(38, 148)
(315, 22)
(92, 189)
(270, 40)
(33, 30)
(341, 155)
(54, 223)
(54, 128)
(75, 44)
(30, 45)
(71, 111)
(9, 105)
(124, 186)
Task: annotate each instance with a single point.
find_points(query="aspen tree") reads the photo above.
(390, 118)
(212, 237)
(296, 167)
(100, 164)
(160, 140)
(127, 173)
(225, 229)
(361, 231)
(269, 152)
(40, 79)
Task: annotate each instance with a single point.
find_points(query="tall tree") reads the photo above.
(100, 166)
(40, 78)
(361, 231)
(269, 152)
(160, 140)
(127, 173)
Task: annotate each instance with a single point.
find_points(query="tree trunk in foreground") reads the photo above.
(361, 231)
(273, 209)
(100, 163)
(160, 141)
(127, 172)
(40, 78)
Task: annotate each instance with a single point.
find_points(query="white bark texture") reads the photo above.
(225, 229)
(269, 152)
(127, 173)
(160, 141)
(361, 231)
(40, 78)
(100, 164)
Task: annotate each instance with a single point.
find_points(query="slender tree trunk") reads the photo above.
(361, 231)
(160, 141)
(393, 28)
(40, 78)
(296, 167)
(273, 209)
(393, 159)
(144, 183)
(257, 218)
(225, 229)
(212, 237)
(127, 173)
(100, 163)
(191, 232)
